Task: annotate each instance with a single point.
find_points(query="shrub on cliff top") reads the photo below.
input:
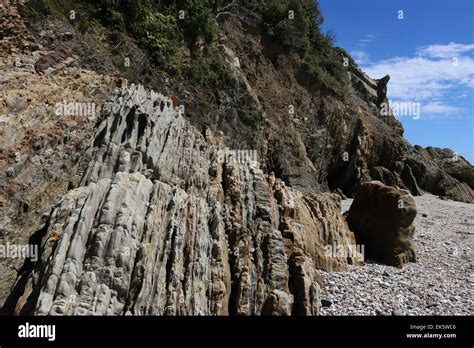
(296, 25)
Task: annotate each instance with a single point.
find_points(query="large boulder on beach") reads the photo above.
(381, 218)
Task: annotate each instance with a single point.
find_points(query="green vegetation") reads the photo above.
(247, 114)
(157, 34)
(298, 29)
(208, 71)
(160, 26)
(296, 24)
(198, 22)
(40, 8)
(154, 27)
(178, 36)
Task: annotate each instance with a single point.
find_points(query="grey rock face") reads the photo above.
(156, 224)
(444, 173)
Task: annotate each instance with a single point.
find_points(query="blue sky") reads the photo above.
(429, 55)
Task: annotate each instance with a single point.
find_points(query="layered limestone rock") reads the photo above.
(382, 220)
(155, 223)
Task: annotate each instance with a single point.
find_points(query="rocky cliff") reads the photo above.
(137, 208)
(158, 225)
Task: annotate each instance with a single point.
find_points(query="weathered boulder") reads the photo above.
(382, 219)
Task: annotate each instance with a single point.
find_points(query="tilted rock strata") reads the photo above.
(157, 225)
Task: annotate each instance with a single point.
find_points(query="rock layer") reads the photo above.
(154, 223)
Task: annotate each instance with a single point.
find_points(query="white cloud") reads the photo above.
(360, 56)
(367, 39)
(435, 108)
(428, 76)
(451, 50)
